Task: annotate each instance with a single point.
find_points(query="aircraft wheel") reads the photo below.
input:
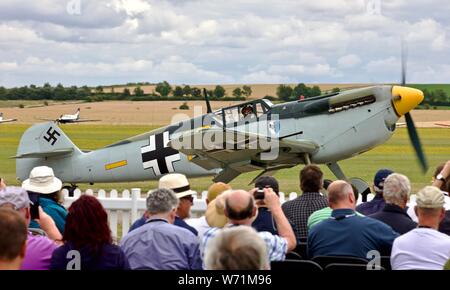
(71, 189)
(362, 187)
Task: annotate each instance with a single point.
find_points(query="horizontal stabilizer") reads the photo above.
(53, 153)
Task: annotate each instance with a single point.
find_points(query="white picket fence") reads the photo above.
(127, 207)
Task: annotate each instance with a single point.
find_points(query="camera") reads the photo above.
(34, 207)
(259, 193)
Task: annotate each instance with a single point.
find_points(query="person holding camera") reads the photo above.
(39, 247)
(264, 221)
(240, 209)
(44, 190)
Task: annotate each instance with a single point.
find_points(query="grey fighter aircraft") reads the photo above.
(321, 130)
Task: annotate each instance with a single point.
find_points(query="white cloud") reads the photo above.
(201, 41)
(349, 61)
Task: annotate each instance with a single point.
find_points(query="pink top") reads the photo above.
(39, 253)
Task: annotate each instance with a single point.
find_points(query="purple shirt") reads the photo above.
(38, 253)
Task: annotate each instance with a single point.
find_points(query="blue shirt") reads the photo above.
(264, 221)
(178, 222)
(347, 234)
(162, 246)
(55, 210)
(373, 206)
(111, 257)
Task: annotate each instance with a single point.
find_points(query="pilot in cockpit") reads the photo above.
(247, 112)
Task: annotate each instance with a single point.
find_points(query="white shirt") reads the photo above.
(200, 225)
(420, 249)
(412, 204)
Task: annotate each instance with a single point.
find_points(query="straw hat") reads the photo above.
(178, 183)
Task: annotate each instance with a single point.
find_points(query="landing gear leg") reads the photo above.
(337, 171)
(71, 189)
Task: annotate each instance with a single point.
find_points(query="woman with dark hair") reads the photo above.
(87, 240)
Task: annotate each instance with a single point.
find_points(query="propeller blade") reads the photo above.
(404, 57)
(415, 141)
(208, 105)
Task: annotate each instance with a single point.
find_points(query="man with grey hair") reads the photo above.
(237, 248)
(396, 195)
(424, 248)
(345, 233)
(159, 244)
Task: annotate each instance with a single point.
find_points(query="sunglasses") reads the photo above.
(189, 197)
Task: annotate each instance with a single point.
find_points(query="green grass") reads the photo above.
(396, 154)
(432, 87)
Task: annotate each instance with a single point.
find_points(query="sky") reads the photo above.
(87, 42)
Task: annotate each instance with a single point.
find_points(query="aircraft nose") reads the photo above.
(405, 99)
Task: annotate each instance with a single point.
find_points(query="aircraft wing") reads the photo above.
(8, 120)
(240, 152)
(84, 120)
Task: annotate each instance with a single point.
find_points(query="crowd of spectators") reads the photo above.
(241, 229)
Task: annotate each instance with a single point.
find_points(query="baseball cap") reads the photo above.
(16, 196)
(380, 176)
(430, 197)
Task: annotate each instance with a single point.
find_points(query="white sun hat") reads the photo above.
(178, 183)
(42, 180)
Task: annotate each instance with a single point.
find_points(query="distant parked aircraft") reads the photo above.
(75, 118)
(5, 120)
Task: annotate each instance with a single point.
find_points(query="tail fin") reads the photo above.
(42, 144)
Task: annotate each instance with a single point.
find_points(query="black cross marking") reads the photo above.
(50, 137)
(160, 154)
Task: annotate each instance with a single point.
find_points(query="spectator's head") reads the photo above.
(42, 180)
(397, 189)
(240, 207)
(311, 178)
(216, 189)
(378, 181)
(445, 185)
(17, 199)
(162, 203)
(179, 184)
(237, 248)
(13, 233)
(430, 206)
(340, 195)
(268, 182)
(87, 224)
(215, 211)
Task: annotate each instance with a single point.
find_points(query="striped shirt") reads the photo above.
(320, 215)
(276, 246)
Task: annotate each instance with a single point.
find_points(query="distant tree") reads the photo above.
(112, 90)
(219, 92)
(178, 92)
(126, 92)
(336, 90)
(99, 90)
(60, 93)
(284, 92)
(138, 92)
(440, 96)
(187, 91)
(237, 92)
(300, 90)
(184, 106)
(196, 92)
(246, 91)
(315, 91)
(163, 89)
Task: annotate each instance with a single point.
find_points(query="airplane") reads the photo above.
(68, 118)
(6, 120)
(256, 135)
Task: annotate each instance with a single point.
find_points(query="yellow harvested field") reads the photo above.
(160, 112)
